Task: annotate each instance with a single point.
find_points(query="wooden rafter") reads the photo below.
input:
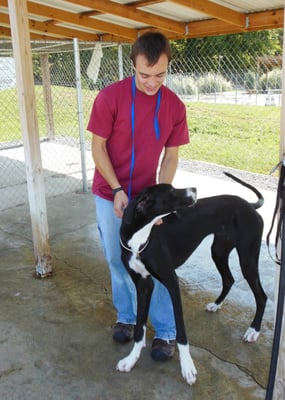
(79, 20)
(52, 23)
(143, 3)
(55, 31)
(257, 21)
(105, 6)
(214, 10)
(49, 30)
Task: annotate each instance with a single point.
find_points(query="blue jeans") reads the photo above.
(123, 289)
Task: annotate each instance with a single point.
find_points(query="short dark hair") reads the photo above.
(152, 45)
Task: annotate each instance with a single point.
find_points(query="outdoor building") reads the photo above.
(55, 56)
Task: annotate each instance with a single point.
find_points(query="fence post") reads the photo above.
(120, 60)
(80, 113)
(47, 96)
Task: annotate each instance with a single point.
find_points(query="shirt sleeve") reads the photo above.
(180, 131)
(102, 115)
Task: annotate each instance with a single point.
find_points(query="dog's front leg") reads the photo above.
(188, 369)
(127, 363)
(144, 287)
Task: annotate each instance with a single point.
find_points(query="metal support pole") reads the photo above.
(80, 113)
(120, 61)
(274, 383)
(276, 380)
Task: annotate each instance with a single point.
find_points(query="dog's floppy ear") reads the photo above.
(137, 208)
(144, 204)
(140, 208)
(134, 210)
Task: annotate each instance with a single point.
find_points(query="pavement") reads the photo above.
(56, 336)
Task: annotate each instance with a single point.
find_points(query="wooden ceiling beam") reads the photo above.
(42, 36)
(257, 21)
(143, 3)
(60, 32)
(64, 25)
(4, 19)
(49, 29)
(54, 31)
(214, 10)
(266, 20)
(146, 18)
(52, 13)
(5, 32)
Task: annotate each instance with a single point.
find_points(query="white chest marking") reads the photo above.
(137, 265)
(137, 240)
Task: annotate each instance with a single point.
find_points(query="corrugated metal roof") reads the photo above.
(122, 20)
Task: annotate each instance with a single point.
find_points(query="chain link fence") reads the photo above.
(68, 76)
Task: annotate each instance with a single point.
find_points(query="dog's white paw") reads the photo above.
(251, 335)
(213, 307)
(188, 369)
(127, 363)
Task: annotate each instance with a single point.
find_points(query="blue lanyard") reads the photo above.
(156, 129)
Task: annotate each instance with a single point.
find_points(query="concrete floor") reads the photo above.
(55, 334)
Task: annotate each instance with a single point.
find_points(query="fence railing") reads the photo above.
(253, 80)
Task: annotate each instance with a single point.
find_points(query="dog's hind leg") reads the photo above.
(221, 249)
(144, 287)
(249, 266)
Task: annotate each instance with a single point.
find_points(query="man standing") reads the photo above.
(134, 122)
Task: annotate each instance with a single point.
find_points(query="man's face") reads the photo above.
(150, 78)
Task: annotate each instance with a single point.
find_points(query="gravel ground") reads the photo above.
(265, 182)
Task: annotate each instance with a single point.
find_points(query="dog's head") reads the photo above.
(157, 201)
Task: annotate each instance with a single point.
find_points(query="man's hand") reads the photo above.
(120, 203)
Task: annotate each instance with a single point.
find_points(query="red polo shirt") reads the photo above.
(111, 119)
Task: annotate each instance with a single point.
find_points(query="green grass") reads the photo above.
(238, 136)
(64, 112)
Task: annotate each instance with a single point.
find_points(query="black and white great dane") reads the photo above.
(152, 249)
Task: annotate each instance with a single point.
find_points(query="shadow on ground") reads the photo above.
(56, 341)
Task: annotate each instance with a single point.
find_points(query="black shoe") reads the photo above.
(162, 350)
(123, 333)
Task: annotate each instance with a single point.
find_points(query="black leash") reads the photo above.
(280, 235)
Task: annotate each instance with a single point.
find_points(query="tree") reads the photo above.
(227, 52)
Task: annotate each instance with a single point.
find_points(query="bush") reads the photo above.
(183, 84)
(212, 83)
(272, 80)
(188, 85)
(250, 80)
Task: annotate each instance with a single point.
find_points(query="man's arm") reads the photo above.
(168, 165)
(104, 166)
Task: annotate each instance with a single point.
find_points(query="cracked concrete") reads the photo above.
(56, 342)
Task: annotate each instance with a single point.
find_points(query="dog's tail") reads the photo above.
(260, 200)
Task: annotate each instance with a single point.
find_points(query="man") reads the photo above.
(134, 122)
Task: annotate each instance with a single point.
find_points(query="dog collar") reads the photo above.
(132, 251)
